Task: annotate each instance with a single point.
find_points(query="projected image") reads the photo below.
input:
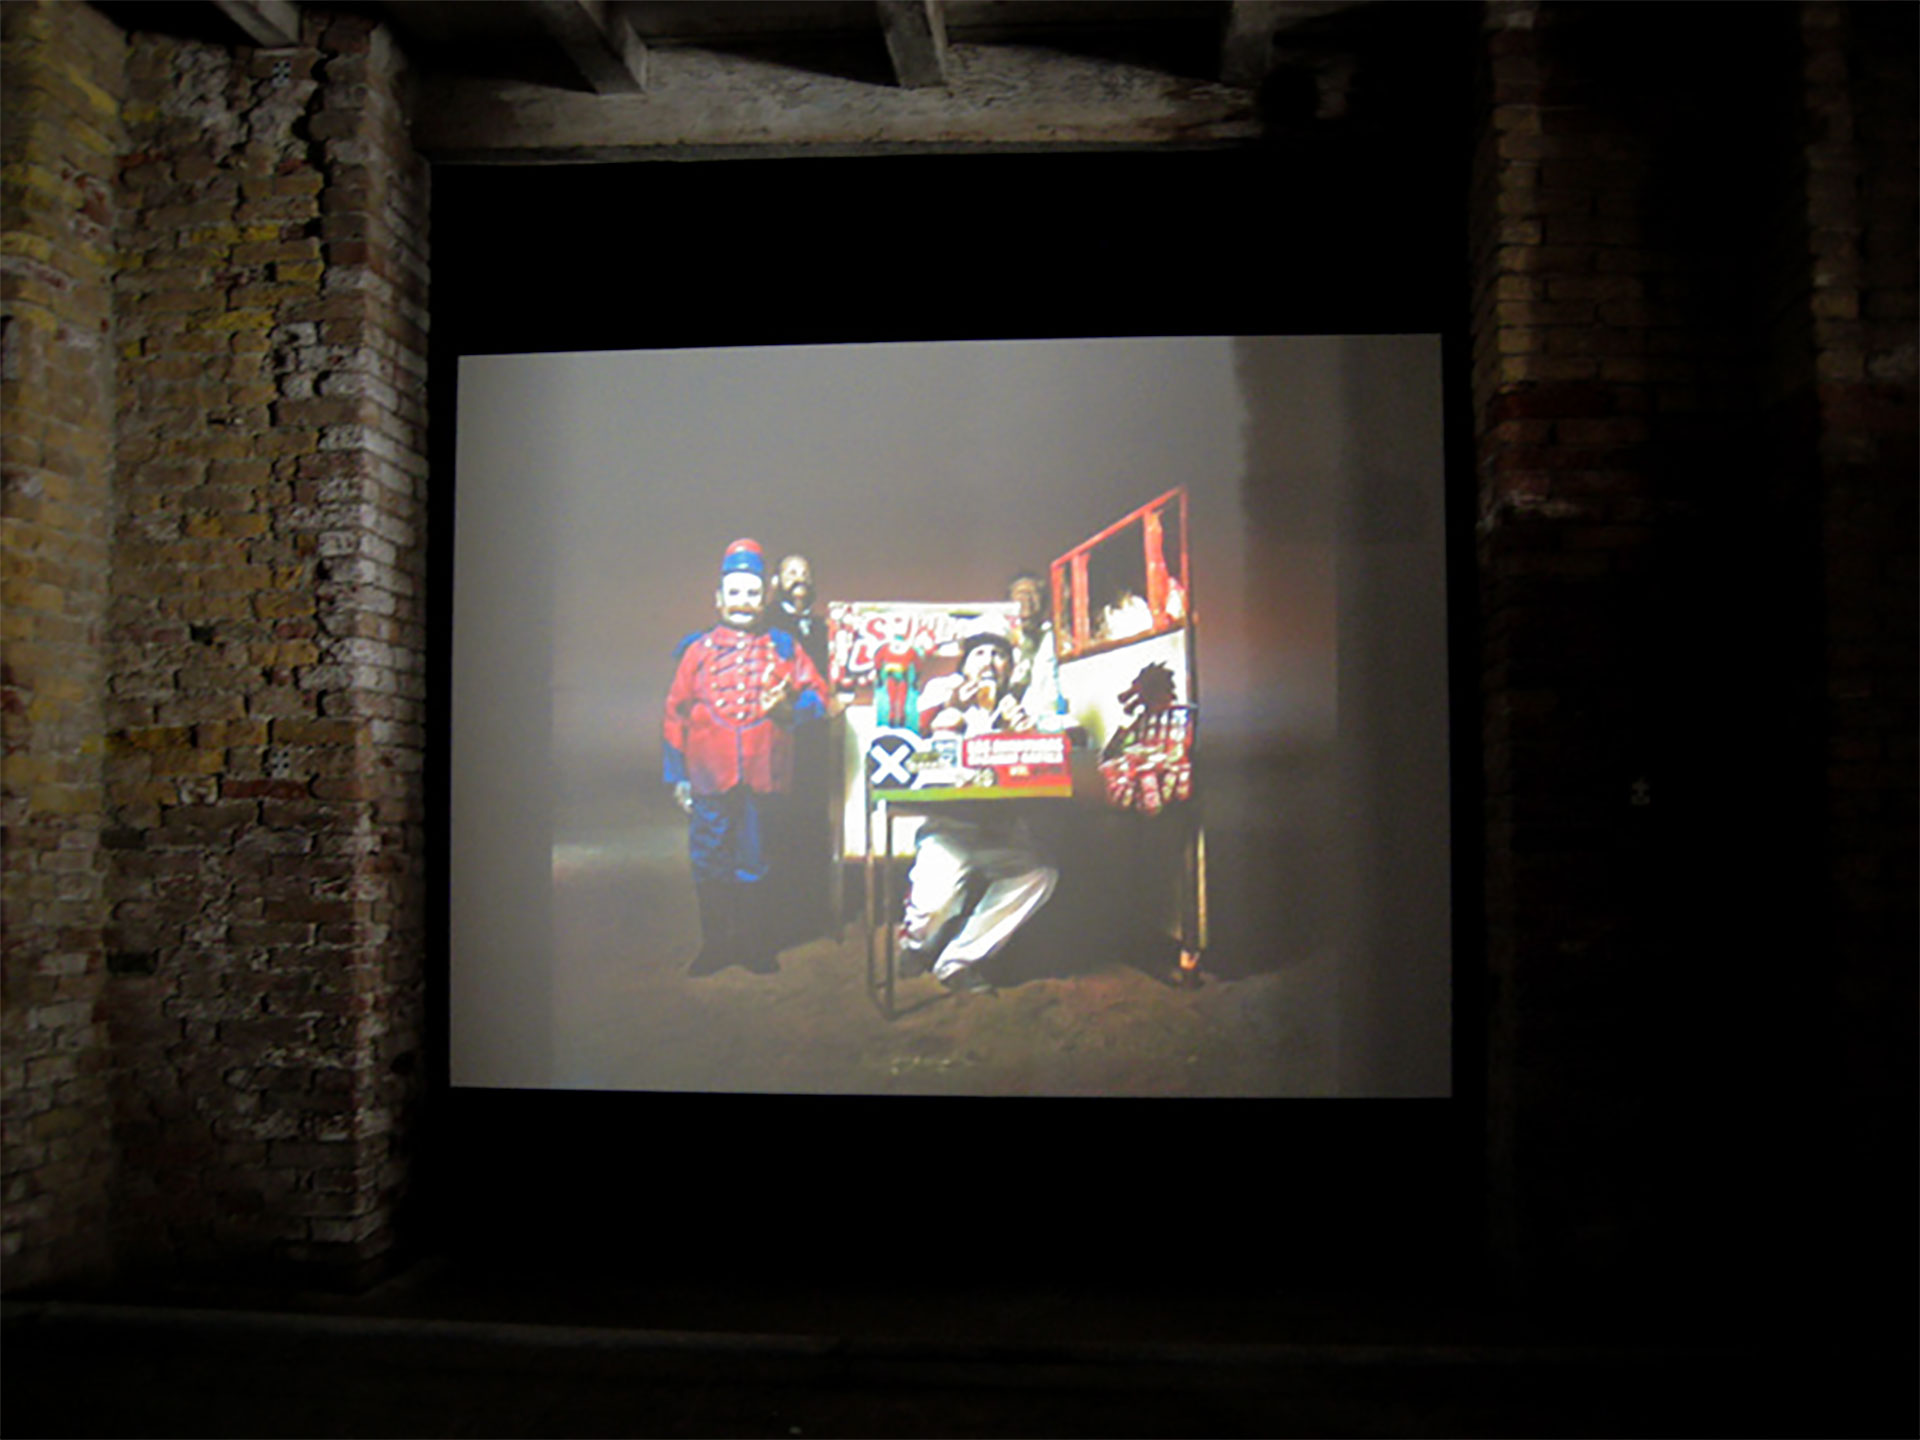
(1048, 718)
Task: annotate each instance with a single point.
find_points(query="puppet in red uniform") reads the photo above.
(738, 691)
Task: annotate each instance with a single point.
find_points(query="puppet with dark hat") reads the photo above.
(739, 690)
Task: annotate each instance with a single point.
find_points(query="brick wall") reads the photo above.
(60, 84)
(1855, 372)
(1696, 536)
(1571, 378)
(263, 725)
(1693, 383)
(1859, 150)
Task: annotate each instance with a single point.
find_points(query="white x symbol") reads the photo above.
(888, 756)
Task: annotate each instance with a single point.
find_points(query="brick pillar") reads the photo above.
(1640, 773)
(1694, 388)
(1860, 296)
(1846, 370)
(264, 721)
(61, 79)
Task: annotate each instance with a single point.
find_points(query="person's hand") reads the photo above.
(683, 796)
(1010, 714)
(776, 695)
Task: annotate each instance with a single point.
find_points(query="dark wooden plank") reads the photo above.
(916, 33)
(702, 103)
(598, 42)
(268, 24)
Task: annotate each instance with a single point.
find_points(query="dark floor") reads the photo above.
(464, 1350)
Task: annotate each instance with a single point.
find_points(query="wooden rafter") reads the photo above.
(597, 40)
(1246, 44)
(916, 33)
(269, 24)
(703, 103)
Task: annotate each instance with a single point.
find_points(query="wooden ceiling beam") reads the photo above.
(707, 104)
(916, 33)
(1250, 41)
(268, 24)
(599, 43)
(1246, 45)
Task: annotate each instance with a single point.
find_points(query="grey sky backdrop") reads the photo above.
(907, 472)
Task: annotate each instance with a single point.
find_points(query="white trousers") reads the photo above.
(951, 852)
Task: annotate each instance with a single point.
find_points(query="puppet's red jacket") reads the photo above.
(715, 735)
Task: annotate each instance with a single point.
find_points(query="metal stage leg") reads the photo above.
(866, 871)
(886, 904)
(882, 963)
(1193, 906)
(837, 876)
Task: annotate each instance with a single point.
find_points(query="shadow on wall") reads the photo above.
(1370, 490)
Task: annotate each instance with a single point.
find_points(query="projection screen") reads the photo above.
(1240, 790)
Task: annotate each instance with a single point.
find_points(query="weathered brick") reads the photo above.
(59, 116)
(220, 612)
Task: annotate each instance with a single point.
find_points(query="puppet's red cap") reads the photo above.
(744, 555)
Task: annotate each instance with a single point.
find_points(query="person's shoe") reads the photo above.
(910, 961)
(757, 928)
(717, 927)
(967, 980)
(711, 960)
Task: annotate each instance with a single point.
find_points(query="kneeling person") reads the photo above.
(971, 844)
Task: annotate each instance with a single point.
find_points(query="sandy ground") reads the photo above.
(1083, 1007)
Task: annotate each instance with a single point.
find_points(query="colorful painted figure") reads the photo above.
(896, 679)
